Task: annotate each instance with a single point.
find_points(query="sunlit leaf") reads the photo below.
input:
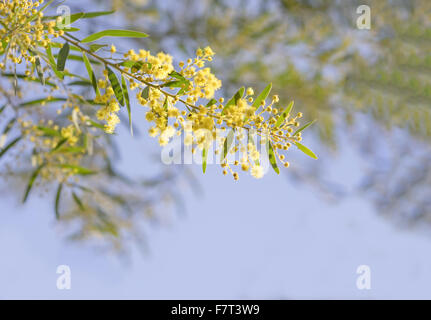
(114, 33)
(264, 94)
(284, 115)
(304, 127)
(204, 159)
(307, 151)
(227, 144)
(272, 159)
(234, 100)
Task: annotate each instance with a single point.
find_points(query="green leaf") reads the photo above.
(175, 84)
(91, 74)
(126, 97)
(77, 169)
(9, 146)
(114, 33)
(39, 71)
(52, 63)
(31, 182)
(39, 101)
(49, 131)
(234, 100)
(204, 159)
(145, 92)
(305, 126)
(272, 159)
(57, 201)
(78, 201)
(90, 15)
(27, 78)
(211, 103)
(284, 115)
(227, 144)
(116, 86)
(96, 47)
(62, 57)
(264, 94)
(178, 76)
(96, 124)
(9, 126)
(307, 151)
(59, 144)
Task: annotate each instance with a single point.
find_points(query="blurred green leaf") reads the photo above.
(31, 181)
(114, 33)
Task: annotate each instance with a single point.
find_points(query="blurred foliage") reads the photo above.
(344, 77)
(57, 120)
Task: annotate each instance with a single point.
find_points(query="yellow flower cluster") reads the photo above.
(158, 82)
(111, 107)
(180, 101)
(22, 29)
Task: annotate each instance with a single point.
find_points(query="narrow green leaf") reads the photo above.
(116, 86)
(272, 159)
(49, 131)
(9, 146)
(27, 78)
(59, 144)
(305, 126)
(126, 97)
(307, 151)
(78, 201)
(62, 57)
(234, 100)
(227, 144)
(52, 63)
(57, 201)
(77, 169)
(204, 160)
(264, 94)
(95, 124)
(31, 182)
(175, 84)
(40, 101)
(211, 103)
(91, 74)
(284, 115)
(96, 47)
(177, 75)
(114, 33)
(9, 126)
(145, 92)
(39, 71)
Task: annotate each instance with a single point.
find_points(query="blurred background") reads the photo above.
(184, 235)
